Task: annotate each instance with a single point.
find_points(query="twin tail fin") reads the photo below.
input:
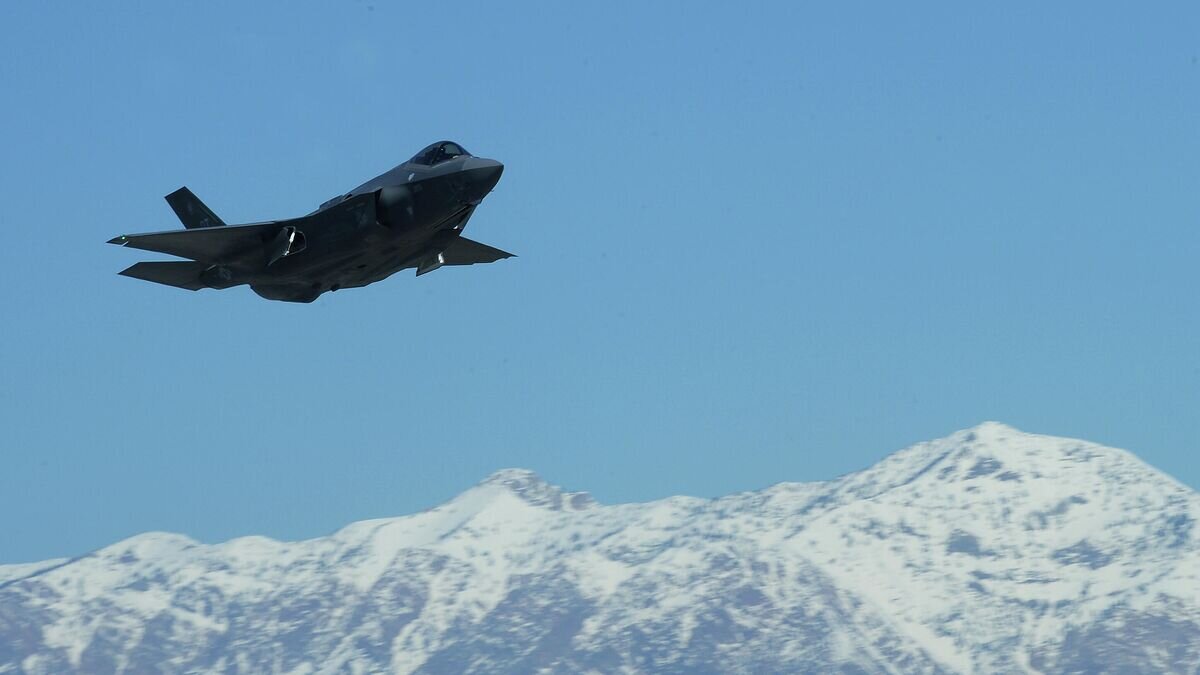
(191, 211)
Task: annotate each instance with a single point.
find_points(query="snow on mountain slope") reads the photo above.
(989, 551)
(12, 572)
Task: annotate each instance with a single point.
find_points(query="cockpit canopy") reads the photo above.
(439, 152)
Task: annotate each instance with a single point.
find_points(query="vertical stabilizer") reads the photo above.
(191, 211)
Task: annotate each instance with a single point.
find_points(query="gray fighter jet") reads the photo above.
(410, 217)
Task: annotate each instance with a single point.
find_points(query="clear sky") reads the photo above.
(757, 243)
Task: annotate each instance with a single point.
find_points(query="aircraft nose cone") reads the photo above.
(484, 174)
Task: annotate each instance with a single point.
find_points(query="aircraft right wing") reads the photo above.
(463, 251)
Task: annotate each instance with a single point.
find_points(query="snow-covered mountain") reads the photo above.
(989, 551)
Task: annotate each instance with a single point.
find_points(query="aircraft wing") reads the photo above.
(221, 244)
(177, 273)
(208, 244)
(463, 251)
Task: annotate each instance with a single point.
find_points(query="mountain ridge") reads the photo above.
(989, 550)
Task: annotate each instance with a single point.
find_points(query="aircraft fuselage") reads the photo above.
(409, 217)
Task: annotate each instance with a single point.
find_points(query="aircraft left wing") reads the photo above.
(208, 244)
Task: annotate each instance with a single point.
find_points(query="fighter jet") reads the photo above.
(410, 217)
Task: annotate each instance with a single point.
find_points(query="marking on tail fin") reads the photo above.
(191, 211)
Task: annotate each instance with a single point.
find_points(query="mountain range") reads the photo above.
(988, 551)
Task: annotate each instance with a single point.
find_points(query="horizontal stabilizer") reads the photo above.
(191, 211)
(463, 251)
(180, 274)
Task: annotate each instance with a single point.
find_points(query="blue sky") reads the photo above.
(756, 244)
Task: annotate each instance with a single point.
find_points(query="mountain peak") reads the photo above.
(513, 476)
(995, 454)
(993, 429)
(535, 491)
